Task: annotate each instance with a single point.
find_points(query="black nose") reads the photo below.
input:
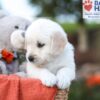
(31, 59)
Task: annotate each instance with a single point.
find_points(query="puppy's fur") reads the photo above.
(50, 57)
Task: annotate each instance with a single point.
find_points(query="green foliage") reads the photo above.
(92, 26)
(79, 91)
(56, 7)
(70, 28)
(73, 28)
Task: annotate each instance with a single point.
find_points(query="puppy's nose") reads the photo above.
(31, 59)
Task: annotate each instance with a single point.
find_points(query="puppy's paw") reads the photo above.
(63, 83)
(49, 80)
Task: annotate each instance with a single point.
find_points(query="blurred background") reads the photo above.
(83, 34)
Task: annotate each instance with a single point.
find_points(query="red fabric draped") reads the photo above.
(15, 88)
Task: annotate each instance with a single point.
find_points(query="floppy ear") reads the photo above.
(18, 39)
(58, 43)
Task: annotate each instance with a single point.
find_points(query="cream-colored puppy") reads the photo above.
(50, 57)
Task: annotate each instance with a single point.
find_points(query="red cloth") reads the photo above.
(15, 88)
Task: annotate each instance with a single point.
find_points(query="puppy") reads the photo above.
(50, 57)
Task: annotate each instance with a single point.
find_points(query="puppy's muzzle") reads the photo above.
(31, 58)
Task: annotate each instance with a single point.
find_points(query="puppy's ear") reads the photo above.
(58, 43)
(18, 39)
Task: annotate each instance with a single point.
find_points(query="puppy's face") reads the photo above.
(44, 40)
(38, 48)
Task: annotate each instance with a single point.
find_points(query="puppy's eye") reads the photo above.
(16, 27)
(40, 45)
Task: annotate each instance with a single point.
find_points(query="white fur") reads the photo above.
(54, 63)
(7, 26)
(17, 40)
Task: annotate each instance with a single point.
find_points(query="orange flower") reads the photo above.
(93, 80)
(7, 56)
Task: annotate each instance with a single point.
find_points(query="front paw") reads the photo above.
(49, 80)
(63, 83)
